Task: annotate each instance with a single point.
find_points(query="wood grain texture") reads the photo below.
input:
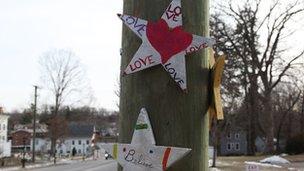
(217, 77)
(178, 119)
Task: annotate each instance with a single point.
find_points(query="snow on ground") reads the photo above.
(283, 155)
(262, 164)
(214, 169)
(272, 161)
(275, 160)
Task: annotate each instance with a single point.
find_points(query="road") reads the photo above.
(92, 165)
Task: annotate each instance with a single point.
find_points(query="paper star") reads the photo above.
(165, 43)
(215, 108)
(142, 154)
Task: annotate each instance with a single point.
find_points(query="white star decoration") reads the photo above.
(165, 43)
(142, 154)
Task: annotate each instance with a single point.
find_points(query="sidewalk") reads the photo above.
(29, 165)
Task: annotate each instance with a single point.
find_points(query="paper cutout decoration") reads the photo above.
(142, 154)
(216, 109)
(164, 42)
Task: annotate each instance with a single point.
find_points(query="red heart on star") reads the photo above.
(167, 42)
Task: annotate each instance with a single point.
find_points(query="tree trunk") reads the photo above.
(252, 122)
(278, 148)
(289, 125)
(269, 124)
(54, 131)
(252, 110)
(178, 119)
(53, 148)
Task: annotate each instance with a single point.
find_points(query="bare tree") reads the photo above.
(63, 75)
(287, 97)
(262, 63)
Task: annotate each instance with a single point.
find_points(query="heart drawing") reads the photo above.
(168, 42)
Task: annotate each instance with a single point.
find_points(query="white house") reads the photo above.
(42, 144)
(41, 141)
(81, 145)
(78, 138)
(5, 146)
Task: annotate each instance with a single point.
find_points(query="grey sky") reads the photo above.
(28, 28)
(88, 27)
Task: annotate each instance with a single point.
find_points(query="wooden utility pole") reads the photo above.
(34, 125)
(302, 115)
(178, 119)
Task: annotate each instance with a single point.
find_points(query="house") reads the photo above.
(78, 137)
(22, 138)
(233, 141)
(260, 144)
(5, 145)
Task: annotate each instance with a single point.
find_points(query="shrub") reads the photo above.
(295, 145)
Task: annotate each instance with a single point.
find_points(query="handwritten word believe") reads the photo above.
(140, 62)
(130, 157)
(173, 13)
(132, 21)
(173, 73)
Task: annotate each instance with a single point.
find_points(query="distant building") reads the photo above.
(5, 145)
(40, 128)
(260, 144)
(3, 127)
(22, 138)
(233, 142)
(78, 137)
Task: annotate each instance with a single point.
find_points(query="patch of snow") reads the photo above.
(38, 165)
(263, 164)
(219, 162)
(283, 154)
(210, 162)
(275, 160)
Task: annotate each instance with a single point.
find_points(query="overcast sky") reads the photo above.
(28, 28)
(90, 28)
